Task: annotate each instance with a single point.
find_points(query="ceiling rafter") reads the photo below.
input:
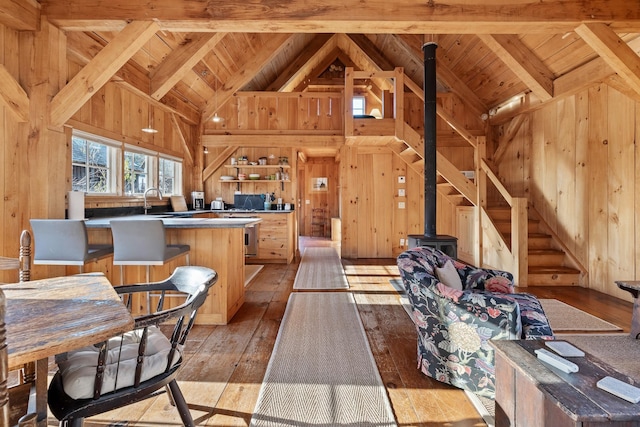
(269, 50)
(80, 48)
(181, 61)
(298, 68)
(609, 46)
(21, 15)
(523, 62)
(98, 72)
(320, 64)
(445, 76)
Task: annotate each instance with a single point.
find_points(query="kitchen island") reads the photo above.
(216, 243)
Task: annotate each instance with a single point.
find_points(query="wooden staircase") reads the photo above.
(549, 265)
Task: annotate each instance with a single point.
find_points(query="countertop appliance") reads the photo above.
(217, 205)
(197, 198)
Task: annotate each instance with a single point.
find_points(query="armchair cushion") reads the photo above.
(448, 275)
(78, 368)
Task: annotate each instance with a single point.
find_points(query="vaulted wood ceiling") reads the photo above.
(192, 55)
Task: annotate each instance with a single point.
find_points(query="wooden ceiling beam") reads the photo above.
(290, 141)
(298, 69)
(336, 16)
(20, 15)
(523, 62)
(98, 72)
(181, 61)
(445, 76)
(268, 51)
(609, 46)
(366, 56)
(81, 48)
(320, 63)
(13, 96)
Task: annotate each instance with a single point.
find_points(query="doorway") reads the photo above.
(318, 189)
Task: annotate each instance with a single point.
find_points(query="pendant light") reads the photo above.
(216, 118)
(149, 128)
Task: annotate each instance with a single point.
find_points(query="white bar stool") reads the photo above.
(64, 242)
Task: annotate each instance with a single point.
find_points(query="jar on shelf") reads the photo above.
(283, 160)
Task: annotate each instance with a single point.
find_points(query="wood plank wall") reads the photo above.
(36, 168)
(576, 161)
(33, 155)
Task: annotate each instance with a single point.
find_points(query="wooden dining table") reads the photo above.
(51, 316)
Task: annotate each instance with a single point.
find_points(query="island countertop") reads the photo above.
(170, 221)
(217, 243)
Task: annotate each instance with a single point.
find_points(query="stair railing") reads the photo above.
(517, 254)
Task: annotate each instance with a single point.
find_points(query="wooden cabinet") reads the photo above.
(276, 237)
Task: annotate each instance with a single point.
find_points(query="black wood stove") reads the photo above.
(447, 244)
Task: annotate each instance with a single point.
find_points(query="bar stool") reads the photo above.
(143, 242)
(65, 242)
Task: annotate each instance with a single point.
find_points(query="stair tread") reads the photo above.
(545, 251)
(545, 269)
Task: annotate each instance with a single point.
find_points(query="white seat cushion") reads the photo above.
(78, 367)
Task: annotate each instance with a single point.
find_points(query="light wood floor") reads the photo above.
(225, 365)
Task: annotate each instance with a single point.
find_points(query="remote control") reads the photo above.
(619, 388)
(564, 348)
(556, 361)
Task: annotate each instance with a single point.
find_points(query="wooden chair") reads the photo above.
(137, 365)
(23, 262)
(318, 222)
(22, 391)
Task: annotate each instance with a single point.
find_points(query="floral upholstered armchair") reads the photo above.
(455, 321)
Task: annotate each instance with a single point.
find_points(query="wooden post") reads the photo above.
(519, 241)
(348, 101)
(399, 101)
(481, 188)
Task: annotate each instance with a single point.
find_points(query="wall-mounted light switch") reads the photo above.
(401, 179)
(401, 192)
(400, 205)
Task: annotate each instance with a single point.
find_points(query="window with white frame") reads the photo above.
(169, 176)
(137, 172)
(100, 168)
(358, 105)
(94, 164)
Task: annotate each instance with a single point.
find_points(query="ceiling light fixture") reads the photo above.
(149, 128)
(206, 150)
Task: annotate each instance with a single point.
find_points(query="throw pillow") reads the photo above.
(448, 275)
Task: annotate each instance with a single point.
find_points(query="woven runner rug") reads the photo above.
(322, 371)
(320, 268)
(565, 318)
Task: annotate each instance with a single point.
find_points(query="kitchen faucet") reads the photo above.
(146, 205)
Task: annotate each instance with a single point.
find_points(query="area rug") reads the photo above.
(322, 371)
(565, 318)
(320, 268)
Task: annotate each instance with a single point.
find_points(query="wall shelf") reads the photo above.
(272, 167)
